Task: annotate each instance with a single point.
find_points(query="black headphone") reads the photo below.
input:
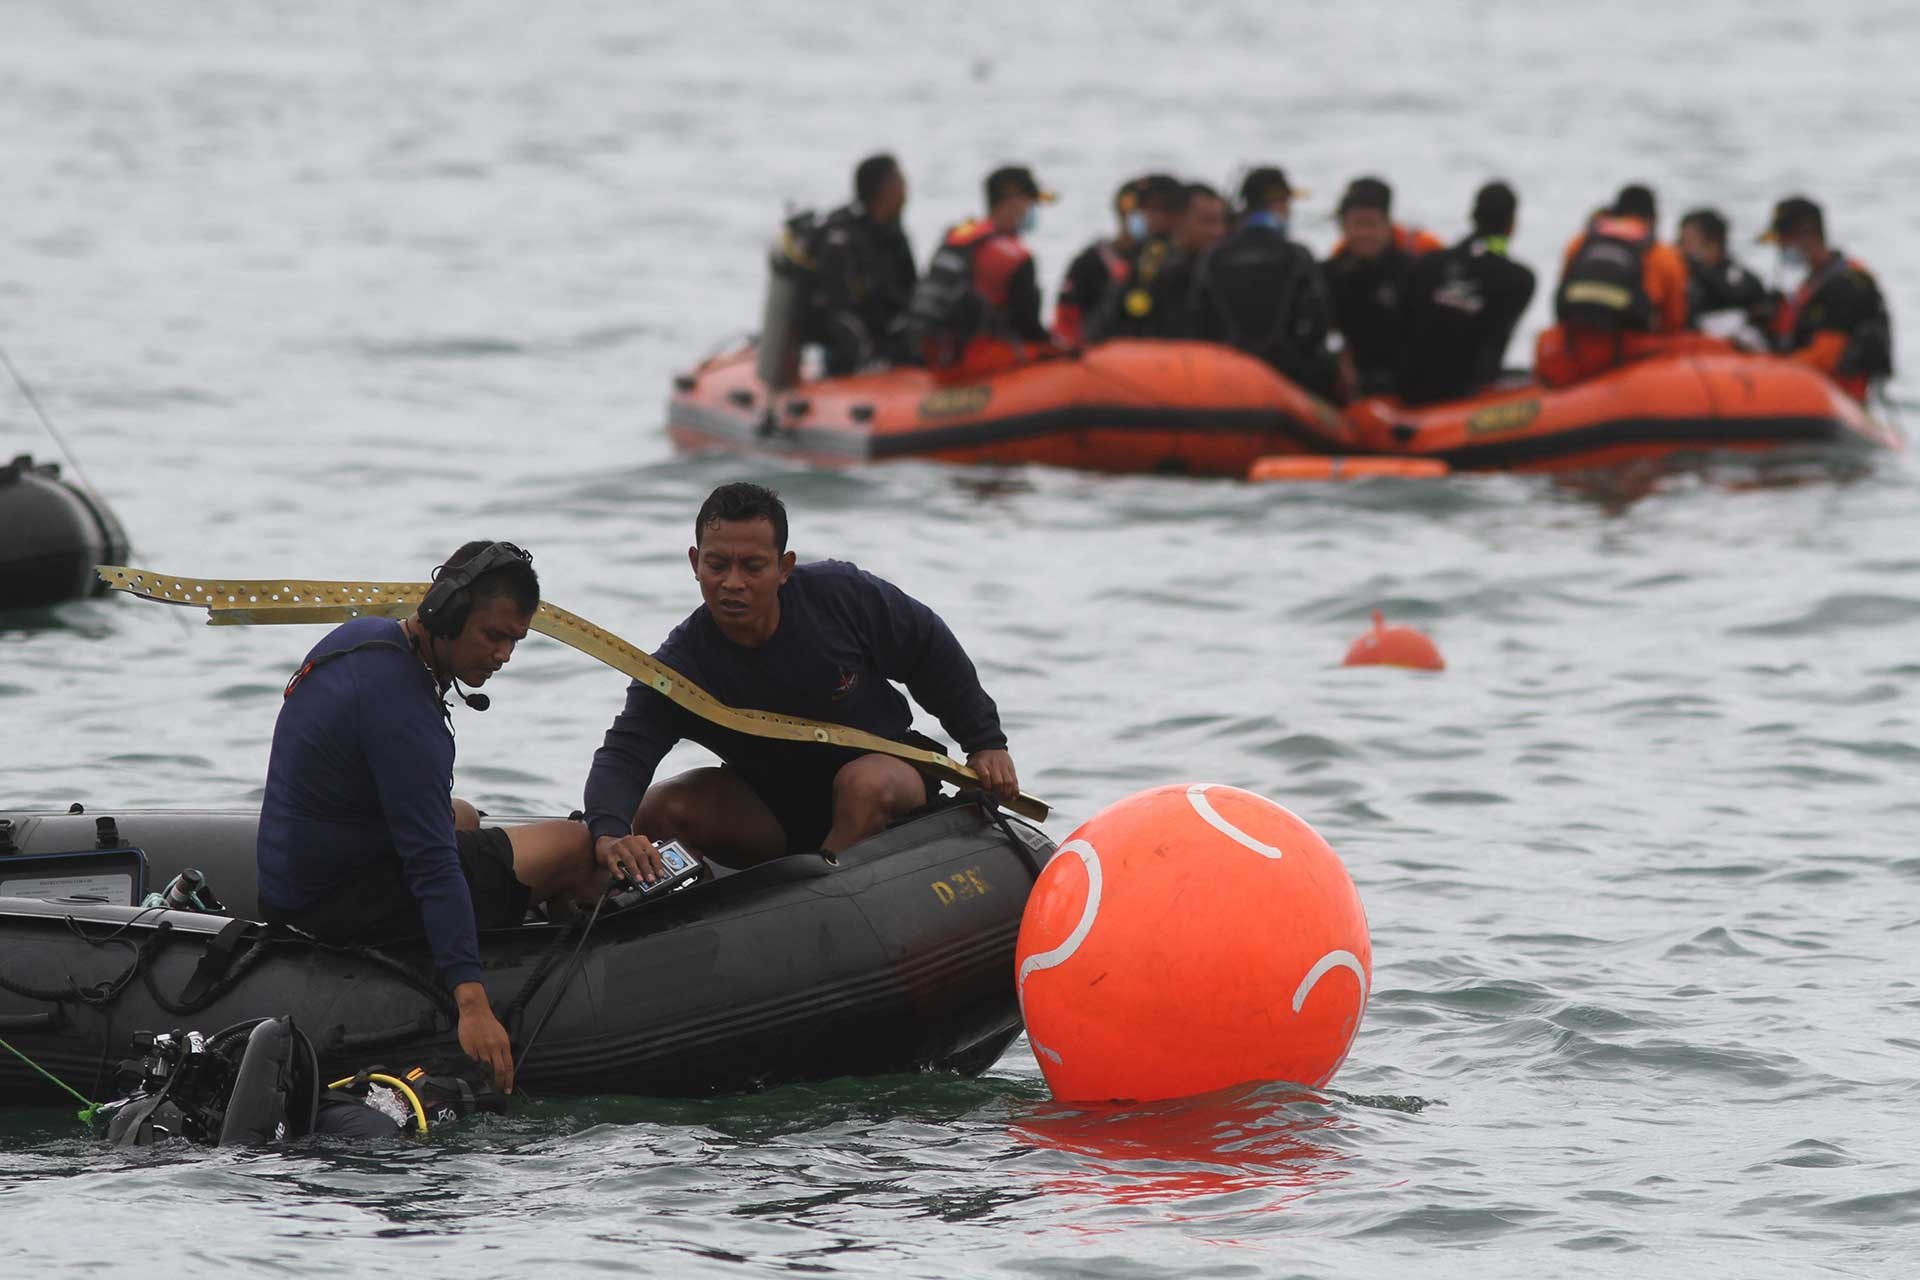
(447, 603)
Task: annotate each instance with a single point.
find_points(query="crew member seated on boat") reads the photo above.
(864, 272)
(1463, 304)
(1203, 225)
(1367, 277)
(1622, 294)
(1836, 320)
(1135, 309)
(1098, 267)
(821, 640)
(359, 838)
(1723, 297)
(1261, 292)
(978, 307)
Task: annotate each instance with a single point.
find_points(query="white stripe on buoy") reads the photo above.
(1197, 797)
(1062, 953)
(1325, 965)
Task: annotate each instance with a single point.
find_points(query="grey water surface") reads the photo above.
(326, 290)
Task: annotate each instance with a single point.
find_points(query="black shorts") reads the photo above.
(801, 800)
(381, 906)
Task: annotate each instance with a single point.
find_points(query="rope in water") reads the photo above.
(88, 1108)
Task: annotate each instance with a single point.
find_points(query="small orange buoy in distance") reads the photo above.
(1386, 646)
(1188, 939)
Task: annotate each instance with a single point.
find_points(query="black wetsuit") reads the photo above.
(1463, 304)
(865, 279)
(1148, 304)
(1260, 292)
(1727, 287)
(1369, 309)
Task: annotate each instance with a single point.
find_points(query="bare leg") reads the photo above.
(868, 793)
(715, 813)
(555, 859)
(465, 816)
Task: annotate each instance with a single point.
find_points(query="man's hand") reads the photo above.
(997, 776)
(633, 857)
(481, 1034)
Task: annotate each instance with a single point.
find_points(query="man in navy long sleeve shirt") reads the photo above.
(359, 840)
(821, 640)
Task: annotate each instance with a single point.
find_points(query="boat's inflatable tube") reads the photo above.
(1648, 410)
(1195, 407)
(1187, 407)
(898, 958)
(52, 534)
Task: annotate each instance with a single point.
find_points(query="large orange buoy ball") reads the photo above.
(1386, 646)
(1187, 939)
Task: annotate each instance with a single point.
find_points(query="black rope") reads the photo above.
(561, 990)
(1000, 819)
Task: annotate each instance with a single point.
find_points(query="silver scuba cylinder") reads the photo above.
(790, 274)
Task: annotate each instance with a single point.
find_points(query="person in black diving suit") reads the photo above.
(864, 272)
(1261, 292)
(1463, 304)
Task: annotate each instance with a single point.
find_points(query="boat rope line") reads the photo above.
(33, 402)
(89, 1108)
(238, 602)
(573, 963)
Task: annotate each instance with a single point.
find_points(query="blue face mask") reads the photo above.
(1136, 224)
(1793, 258)
(1267, 218)
(1030, 220)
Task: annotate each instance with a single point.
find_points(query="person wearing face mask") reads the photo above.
(1099, 267)
(1136, 308)
(1261, 292)
(1368, 275)
(978, 307)
(1836, 318)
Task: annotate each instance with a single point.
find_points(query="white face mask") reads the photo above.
(1031, 220)
(1136, 224)
(1793, 258)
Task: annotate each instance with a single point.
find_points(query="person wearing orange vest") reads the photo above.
(1622, 294)
(978, 307)
(1367, 276)
(1836, 320)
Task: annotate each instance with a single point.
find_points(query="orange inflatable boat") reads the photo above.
(1203, 409)
(1190, 407)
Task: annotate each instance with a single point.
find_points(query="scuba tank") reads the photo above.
(792, 276)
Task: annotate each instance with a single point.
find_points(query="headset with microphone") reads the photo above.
(448, 603)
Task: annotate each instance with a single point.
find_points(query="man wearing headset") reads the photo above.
(360, 837)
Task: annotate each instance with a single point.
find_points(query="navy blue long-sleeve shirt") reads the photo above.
(362, 771)
(843, 636)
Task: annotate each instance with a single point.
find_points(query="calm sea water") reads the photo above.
(327, 290)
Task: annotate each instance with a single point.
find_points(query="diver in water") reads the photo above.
(359, 840)
(822, 640)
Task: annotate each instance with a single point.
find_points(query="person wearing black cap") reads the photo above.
(1099, 266)
(1261, 292)
(978, 307)
(1463, 304)
(1368, 275)
(1140, 308)
(1836, 320)
(1722, 295)
(1622, 294)
(864, 271)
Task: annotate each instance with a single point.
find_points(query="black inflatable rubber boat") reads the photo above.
(897, 958)
(52, 534)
